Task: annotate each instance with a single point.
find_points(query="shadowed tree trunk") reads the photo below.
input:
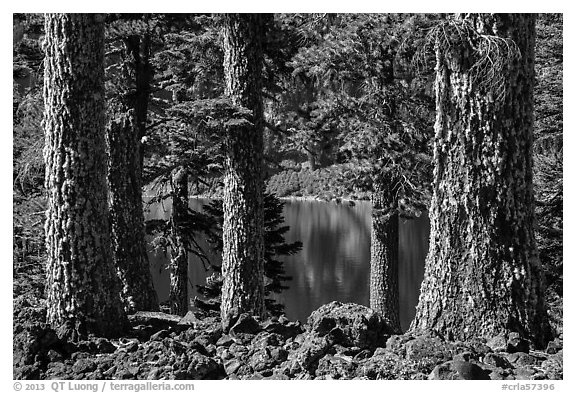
(124, 133)
(384, 291)
(483, 275)
(82, 288)
(243, 251)
(179, 253)
(384, 256)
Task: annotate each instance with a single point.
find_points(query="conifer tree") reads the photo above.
(483, 275)
(243, 237)
(82, 288)
(129, 92)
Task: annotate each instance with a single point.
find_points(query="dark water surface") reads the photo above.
(334, 263)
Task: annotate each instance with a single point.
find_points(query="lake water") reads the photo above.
(334, 263)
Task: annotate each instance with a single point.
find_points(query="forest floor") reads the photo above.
(338, 341)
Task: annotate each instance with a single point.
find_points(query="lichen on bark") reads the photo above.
(483, 276)
(243, 239)
(82, 288)
(384, 255)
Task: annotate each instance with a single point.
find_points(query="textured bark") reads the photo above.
(384, 257)
(82, 288)
(124, 134)
(179, 259)
(483, 275)
(243, 251)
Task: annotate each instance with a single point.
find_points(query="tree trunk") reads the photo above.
(179, 253)
(82, 288)
(311, 159)
(384, 257)
(124, 133)
(243, 251)
(483, 275)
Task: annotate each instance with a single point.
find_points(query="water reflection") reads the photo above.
(334, 263)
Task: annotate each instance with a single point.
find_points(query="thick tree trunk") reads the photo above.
(384, 257)
(483, 275)
(243, 252)
(82, 287)
(179, 258)
(124, 133)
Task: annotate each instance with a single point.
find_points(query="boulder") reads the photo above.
(288, 330)
(279, 354)
(498, 343)
(516, 343)
(522, 359)
(554, 346)
(31, 344)
(382, 365)
(231, 366)
(476, 346)
(553, 366)
(189, 320)
(498, 374)
(277, 376)
(496, 360)
(155, 318)
(58, 370)
(348, 324)
(104, 345)
(224, 341)
(525, 372)
(265, 339)
(311, 350)
(237, 350)
(261, 360)
(245, 324)
(83, 365)
(202, 367)
(396, 343)
(126, 372)
(154, 373)
(457, 369)
(428, 347)
(336, 367)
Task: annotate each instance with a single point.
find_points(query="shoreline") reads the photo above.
(306, 198)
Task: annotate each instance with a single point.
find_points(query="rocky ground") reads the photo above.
(339, 341)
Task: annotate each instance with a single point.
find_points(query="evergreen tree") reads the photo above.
(129, 87)
(369, 100)
(82, 289)
(275, 246)
(179, 261)
(28, 139)
(242, 232)
(548, 157)
(483, 275)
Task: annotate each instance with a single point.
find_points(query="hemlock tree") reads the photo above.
(243, 227)
(178, 298)
(384, 290)
(125, 131)
(275, 247)
(483, 276)
(548, 155)
(381, 123)
(82, 288)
